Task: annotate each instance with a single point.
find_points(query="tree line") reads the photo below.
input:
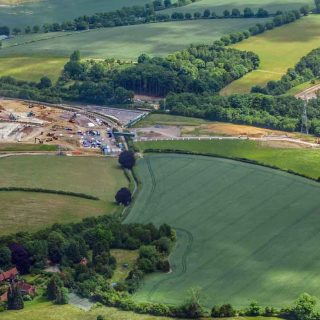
(274, 112)
(148, 13)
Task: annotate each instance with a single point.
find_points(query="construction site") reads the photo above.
(34, 123)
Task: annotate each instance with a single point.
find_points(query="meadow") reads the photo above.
(94, 176)
(278, 50)
(31, 56)
(49, 311)
(245, 232)
(219, 6)
(303, 161)
(39, 12)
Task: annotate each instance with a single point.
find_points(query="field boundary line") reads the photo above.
(49, 191)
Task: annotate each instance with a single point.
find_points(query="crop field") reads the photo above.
(94, 176)
(219, 6)
(40, 11)
(245, 232)
(278, 50)
(303, 161)
(31, 56)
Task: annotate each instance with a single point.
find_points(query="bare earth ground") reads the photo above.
(225, 130)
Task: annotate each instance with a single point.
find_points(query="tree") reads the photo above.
(248, 13)
(167, 3)
(5, 258)
(235, 13)
(254, 309)
(123, 196)
(305, 10)
(75, 56)
(27, 30)
(15, 301)
(16, 31)
(45, 82)
(56, 246)
(4, 30)
(61, 296)
(36, 29)
(193, 307)
(127, 159)
(20, 257)
(226, 13)
(317, 3)
(304, 307)
(53, 286)
(206, 13)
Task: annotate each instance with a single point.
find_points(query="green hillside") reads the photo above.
(30, 56)
(245, 232)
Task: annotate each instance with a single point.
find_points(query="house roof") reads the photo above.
(8, 274)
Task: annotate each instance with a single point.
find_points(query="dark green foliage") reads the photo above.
(53, 287)
(123, 196)
(62, 296)
(20, 257)
(127, 159)
(5, 258)
(283, 113)
(15, 301)
(224, 311)
(193, 308)
(254, 309)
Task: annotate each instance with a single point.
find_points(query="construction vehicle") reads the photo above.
(37, 139)
(12, 117)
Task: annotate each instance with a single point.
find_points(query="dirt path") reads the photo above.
(309, 93)
(265, 139)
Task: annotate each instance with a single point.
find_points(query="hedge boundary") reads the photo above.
(49, 191)
(244, 160)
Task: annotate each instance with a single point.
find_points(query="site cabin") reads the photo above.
(10, 276)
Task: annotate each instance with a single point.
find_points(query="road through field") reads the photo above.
(245, 232)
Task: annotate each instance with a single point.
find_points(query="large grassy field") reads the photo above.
(245, 232)
(31, 56)
(219, 6)
(94, 176)
(278, 50)
(40, 11)
(303, 161)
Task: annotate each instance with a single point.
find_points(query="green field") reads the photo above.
(278, 50)
(219, 6)
(31, 56)
(94, 176)
(245, 232)
(39, 12)
(168, 120)
(49, 311)
(303, 161)
(22, 147)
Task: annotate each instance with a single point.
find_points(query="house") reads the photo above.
(24, 287)
(9, 275)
